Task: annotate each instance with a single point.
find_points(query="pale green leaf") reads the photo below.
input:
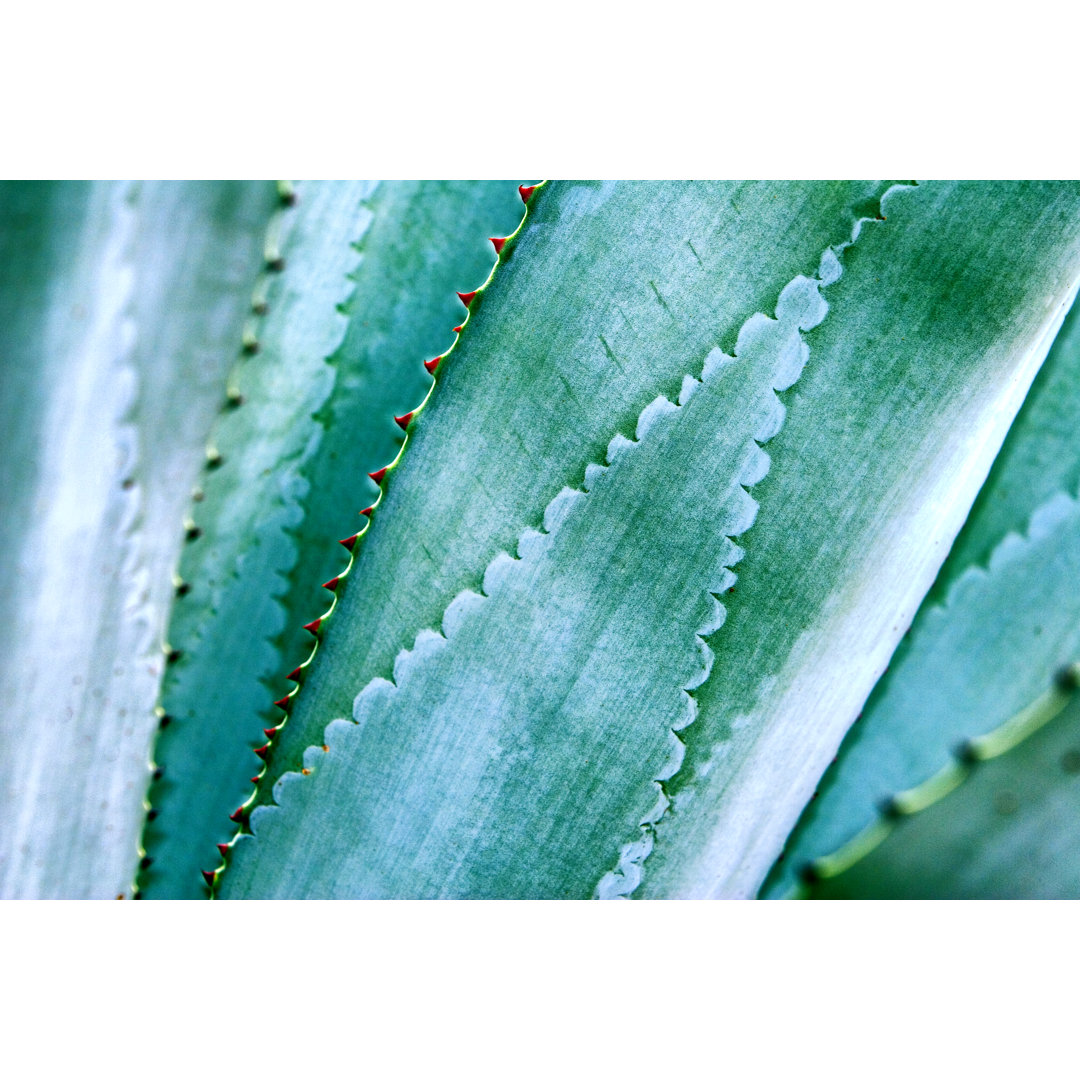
(120, 310)
(1002, 823)
(988, 637)
(366, 294)
(531, 748)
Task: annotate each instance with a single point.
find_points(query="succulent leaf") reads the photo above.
(988, 637)
(359, 293)
(1000, 824)
(120, 307)
(520, 752)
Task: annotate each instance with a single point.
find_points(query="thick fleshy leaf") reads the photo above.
(1003, 823)
(120, 311)
(566, 724)
(360, 292)
(1039, 459)
(611, 295)
(989, 636)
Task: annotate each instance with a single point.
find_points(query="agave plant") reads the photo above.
(492, 540)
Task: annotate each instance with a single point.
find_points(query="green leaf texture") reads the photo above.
(1001, 825)
(986, 640)
(365, 295)
(120, 311)
(611, 295)
(569, 732)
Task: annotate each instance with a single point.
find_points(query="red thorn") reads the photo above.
(331, 584)
(526, 192)
(467, 297)
(294, 675)
(270, 732)
(209, 876)
(237, 815)
(497, 243)
(349, 541)
(254, 779)
(224, 849)
(367, 513)
(403, 421)
(378, 475)
(313, 626)
(431, 365)
(284, 702)
(458, 329)
(263, 750)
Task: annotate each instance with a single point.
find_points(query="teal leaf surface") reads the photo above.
(542, 743)
(612, 293)
(120, 309)
(1003, 823)
(988, 637)
(359, 293)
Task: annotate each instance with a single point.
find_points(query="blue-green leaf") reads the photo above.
(568, 732)
(365, 295)
(120, 311)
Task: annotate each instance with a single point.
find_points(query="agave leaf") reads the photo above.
(987, 638)
(366, 294)
(612, 293)
(535, 746)
(1002, 823)
(1038, 459)
(120, 307)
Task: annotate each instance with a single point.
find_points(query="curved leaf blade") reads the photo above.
(365, 295)
(112, 390)
(1002, 825)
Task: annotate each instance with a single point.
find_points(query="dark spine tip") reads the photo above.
(193, 533)
(183, 588)
(164, 721)
(251, 347)
(237, 815)
(172, 656)
(262, 751)
(378, 475)
(145, 862)
(403, 421)
(276, 264)
(224, 849)
(313, 626)
(432, 365)
(467, 297)
(295, 674)
(283, 703)
(349, 542)
(157, 774)
(498, 243)
(152, 814)
(526, 193)
(809, 874)
(1068, 678)
(208, 877)
(214, 460)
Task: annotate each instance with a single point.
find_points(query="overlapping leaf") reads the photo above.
(522, 753)
(990, 636)
(120, 311)
(360, 293)
(1002, 824)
